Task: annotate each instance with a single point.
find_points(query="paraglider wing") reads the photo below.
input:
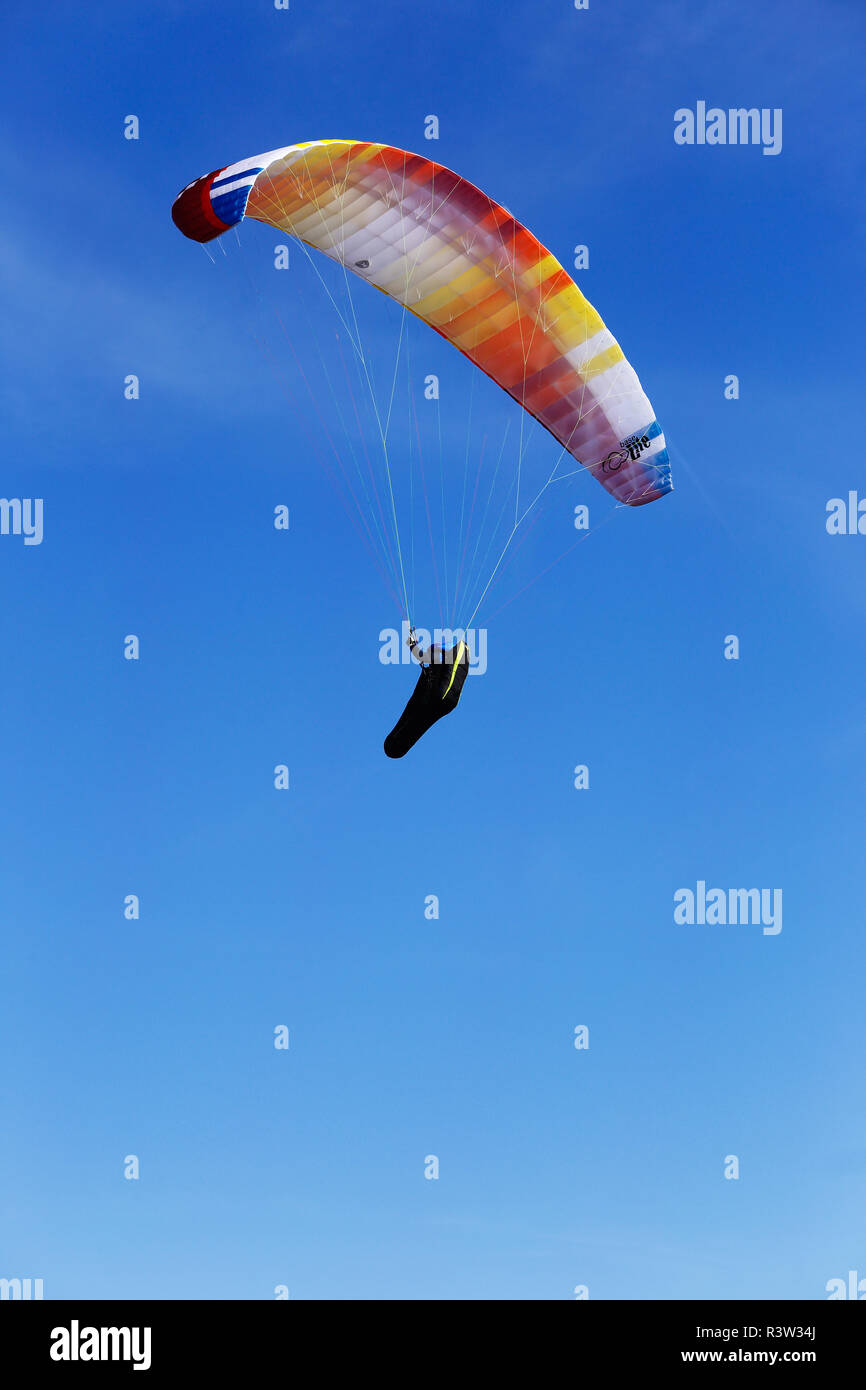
(461, 262)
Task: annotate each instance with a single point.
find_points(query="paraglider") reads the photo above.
(461, 263)
(443, 675)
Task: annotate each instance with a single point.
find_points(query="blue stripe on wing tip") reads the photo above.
(231, 204)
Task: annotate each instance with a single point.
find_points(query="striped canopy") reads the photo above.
(435, 243)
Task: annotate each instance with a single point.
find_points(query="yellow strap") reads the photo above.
(455, 664)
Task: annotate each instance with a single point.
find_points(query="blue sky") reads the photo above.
(412, 1037)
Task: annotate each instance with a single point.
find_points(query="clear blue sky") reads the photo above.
(306, 908)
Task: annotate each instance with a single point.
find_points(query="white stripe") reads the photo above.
(578, 357)
(230, 187)
(257, 161)
(656, 446)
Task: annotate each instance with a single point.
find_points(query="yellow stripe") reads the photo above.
(488, 327)
(469, 280)
(601, 362)
(576, 318)
(534, 275)
(455, 664)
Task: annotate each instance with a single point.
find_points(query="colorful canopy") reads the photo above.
(438, 245)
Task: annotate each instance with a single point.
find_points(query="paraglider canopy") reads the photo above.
(461, 262)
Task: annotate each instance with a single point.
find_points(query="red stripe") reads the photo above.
(207, 211)
(193, 211)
